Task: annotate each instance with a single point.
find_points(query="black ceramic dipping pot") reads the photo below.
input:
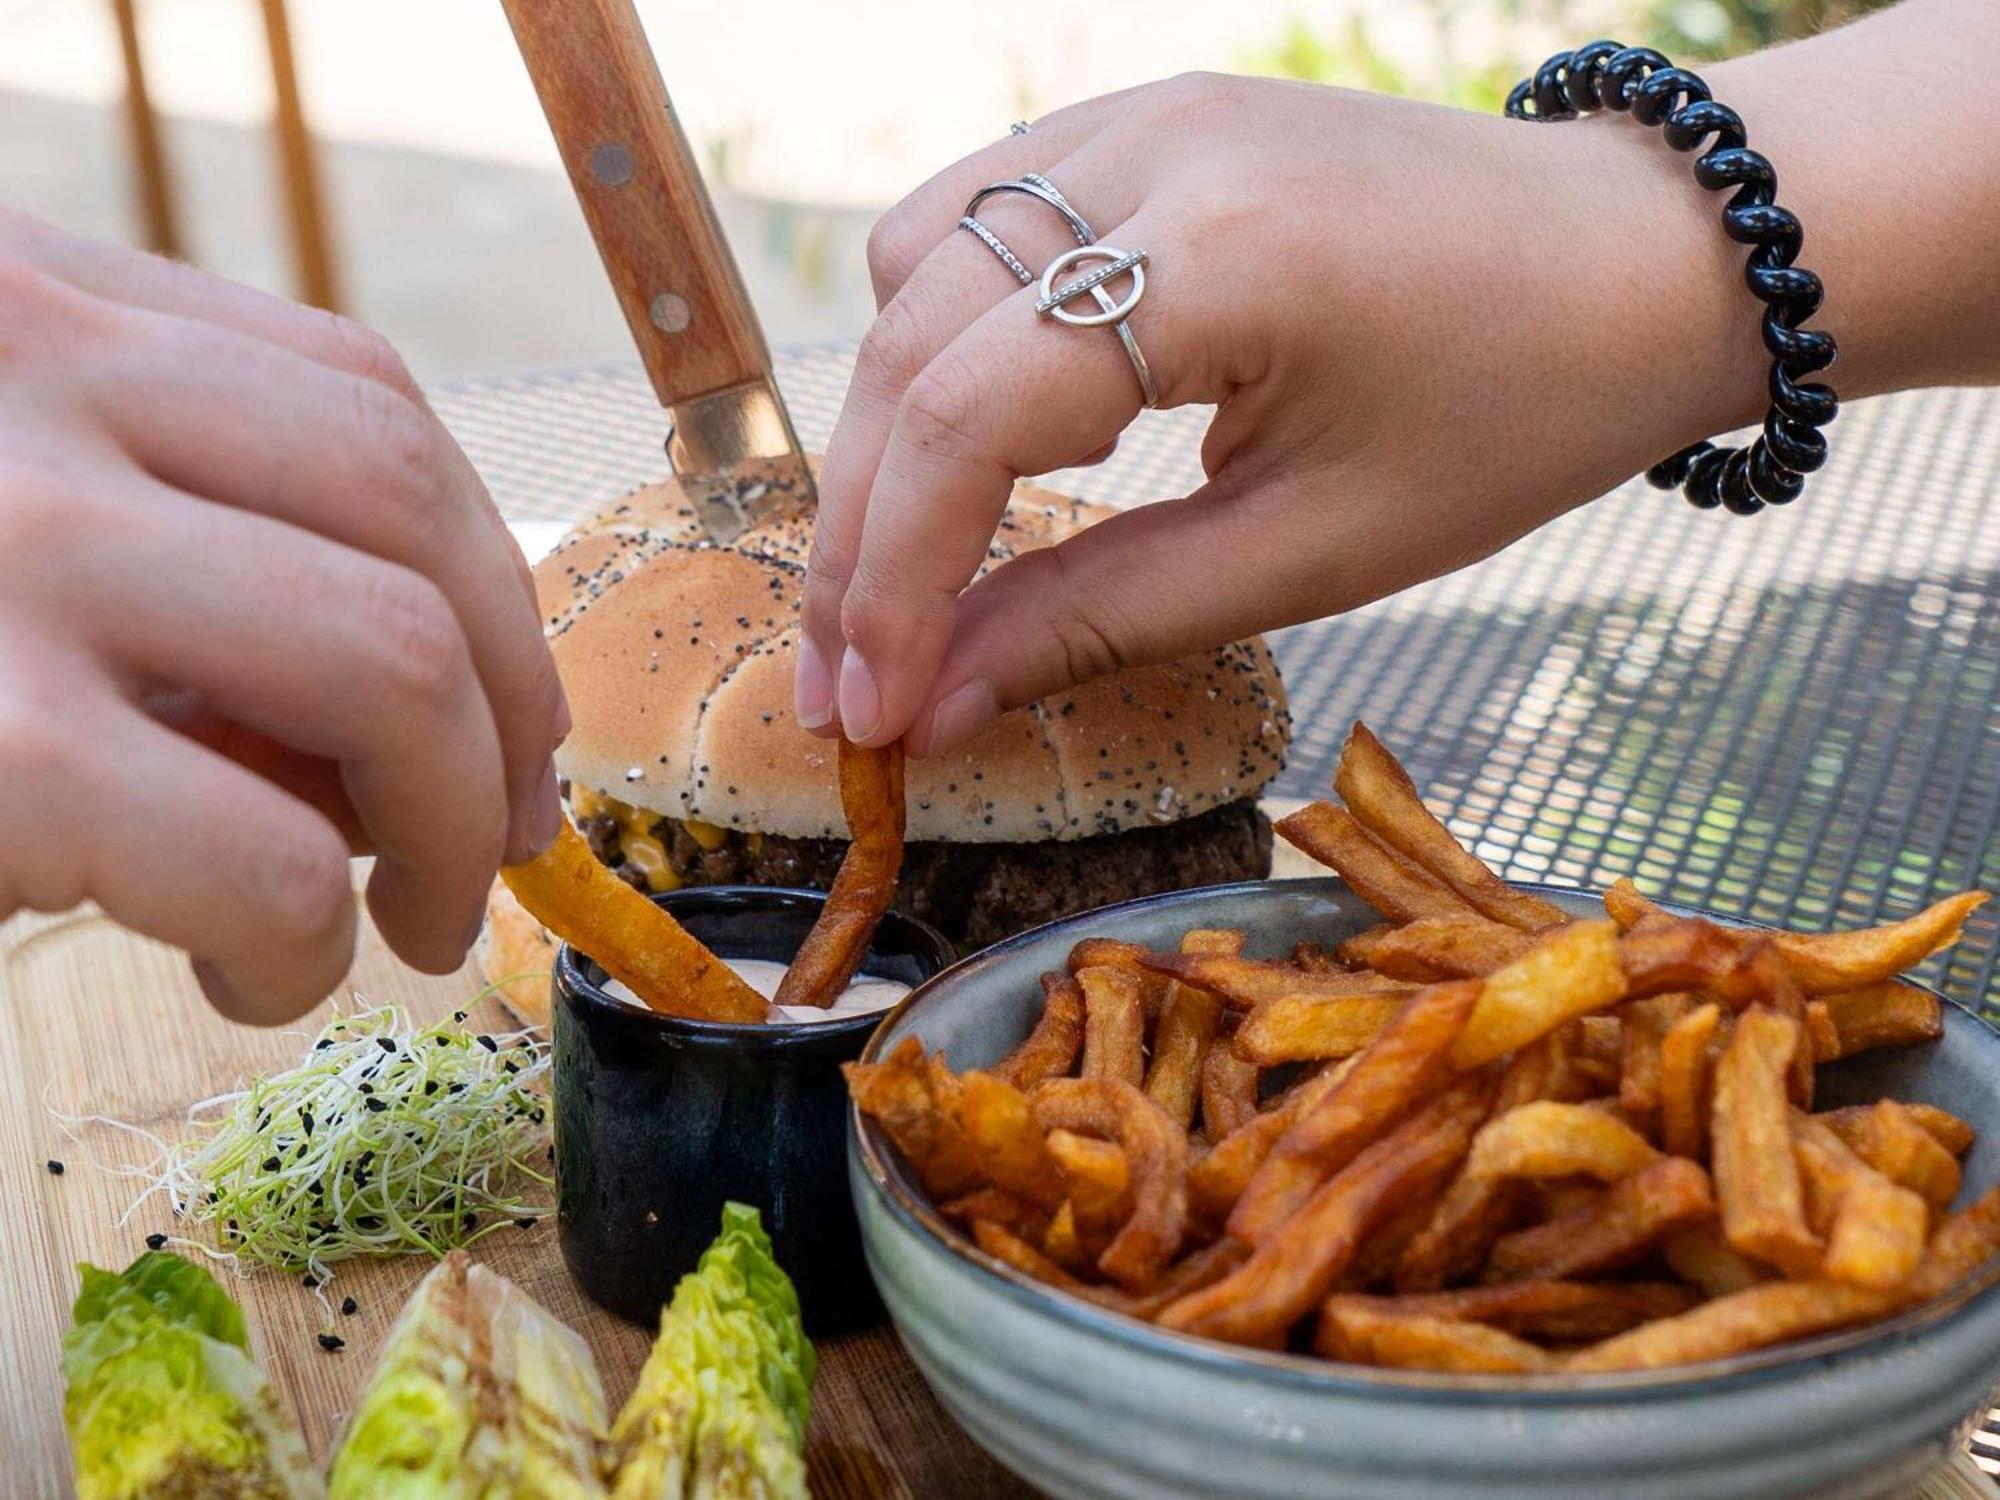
(659, 1121)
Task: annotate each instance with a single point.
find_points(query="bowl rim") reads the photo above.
(572, 986)
(866, 1142)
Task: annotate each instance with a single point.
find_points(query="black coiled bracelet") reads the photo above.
(1772, 470)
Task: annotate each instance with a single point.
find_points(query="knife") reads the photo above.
(731, 441)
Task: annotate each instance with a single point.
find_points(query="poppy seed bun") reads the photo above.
(677, 655)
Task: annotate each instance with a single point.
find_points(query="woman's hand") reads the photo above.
(256, 611)
(1427, 332)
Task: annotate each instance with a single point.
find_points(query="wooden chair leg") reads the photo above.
(152, 178)
(312, 253)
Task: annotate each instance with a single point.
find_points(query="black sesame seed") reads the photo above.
(524, 1223)
(56, 1168)
(348, 1307)
(376, 1106)
(458, 1015)
(366, 1088)
(331, 1342)
(488, 1043)
(430, 1087)
(156, 1242)
(385, 1043)
(271, 1164)
(309, 1282)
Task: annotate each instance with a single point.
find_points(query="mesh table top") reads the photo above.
(1794, 717)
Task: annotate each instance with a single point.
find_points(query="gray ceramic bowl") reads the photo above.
(1086, 1403)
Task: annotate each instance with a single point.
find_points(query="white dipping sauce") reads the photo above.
(864, 993)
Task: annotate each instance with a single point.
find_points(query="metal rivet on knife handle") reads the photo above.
(611, 164)
(670, 312)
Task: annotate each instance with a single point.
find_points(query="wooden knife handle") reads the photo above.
(642, 194)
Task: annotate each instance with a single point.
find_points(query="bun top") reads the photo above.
(677, 655)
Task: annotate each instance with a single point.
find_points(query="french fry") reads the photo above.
(1050, 1050)
(1874, 1228)
(1637, 1214)
(1756, 1175)
(1009, 1210)
(1115, 954)
(1190, 1273)
(1703, 1258)
(1440, 948)
(1383, 799)
(1768, 1313)
(1312, 957)
(1570, 1311)
(871, 798)
(1395, 886)
(1010, 1249)
(1290, 1029)
(1895, 1143)
(582, 902)
(1246, 982)
(1062, 1243)
(1189, 1019)
(1664, 955)
(1365, 1331)
(1684, 1081)
(1944, 1127)
(901, 1095)
(1547, 1139)
(1571, 971)
(1228, 1091)
(1100, 1187)
(1825, 963)
(1399, 1067)
(1357, 952)
(1644, 1032)
(1374, 1264)
(1883, 1015)
(1155, 1159)
(1284, 1277)
(1964, 1243)
(1626, 906)
(1217, 1179)
(999, 1121)
(1114, 1024)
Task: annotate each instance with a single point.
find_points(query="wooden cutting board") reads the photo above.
(94, 1021)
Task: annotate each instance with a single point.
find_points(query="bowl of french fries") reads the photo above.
(1407, 1181)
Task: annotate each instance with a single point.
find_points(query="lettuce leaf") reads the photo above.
(722, 1404)
(161, 1398)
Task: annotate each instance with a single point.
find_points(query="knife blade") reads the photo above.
(731, 441)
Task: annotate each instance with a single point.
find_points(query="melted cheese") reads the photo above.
(642, 851)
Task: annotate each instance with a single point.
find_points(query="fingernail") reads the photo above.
(545, 814)
(960, 715)
(564, 723)
(812, 688)
(860, 699)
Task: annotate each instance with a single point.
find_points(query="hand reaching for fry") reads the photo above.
(1427, 332)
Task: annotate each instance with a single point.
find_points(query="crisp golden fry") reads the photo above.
(1440, 948)
(1644, 1031)
(1565, 1310)
(1572, 971)
(1638, 1214)
(1874, 1229)
(1061, 1242)
(1684, 1081)
(1114, 954)
(1189, 1019)
(1703, 1258)
(1892, 1139)
(1400, 1066)
(1010, 1249)
(1768, 1313)
(1964, 1243)
(1883, 1015)
(1944, 1127)
(1547, 1139)
(901, 1094)
(1200, 1268)
(1114, 1024)
(1155, 1158)
(871, 798)
(1374, 1331)
(1228, 1091)
(582, 902)
(1756, 1175)
(1296, 1030)
(1000, 1123)
(1246, 982)
(1217, 1179)
(1825, 963)
(1626, 906)
(1309, 1251)
(1357, 952)
(1306, 955)
(1395, 886)
(1006, 1209)
(1050, 1050)
(1383, 799)
(1100, 1188)
(1665, 955)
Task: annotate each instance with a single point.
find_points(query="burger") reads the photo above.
(686, 767)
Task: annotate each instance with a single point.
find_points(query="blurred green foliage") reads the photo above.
(1470, 52)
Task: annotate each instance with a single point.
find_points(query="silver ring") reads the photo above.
(1019, 127)
(1111, 311)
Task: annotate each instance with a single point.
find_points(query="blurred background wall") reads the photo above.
(453, 230)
